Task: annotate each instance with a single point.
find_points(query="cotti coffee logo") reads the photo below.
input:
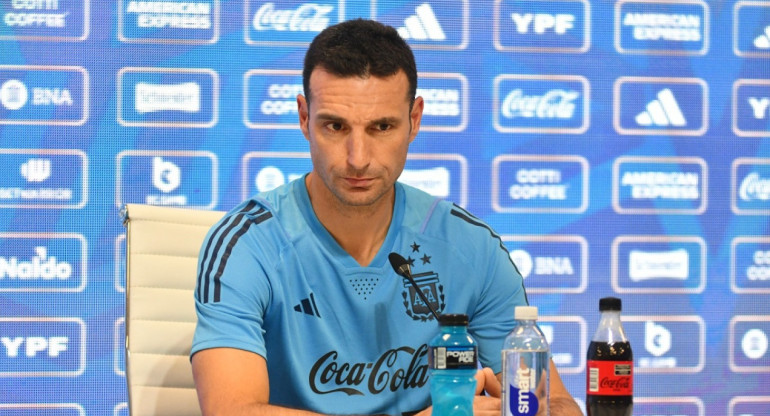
(751, 107)
(562, 26)
(441, 175)
(173, 178)
(42, 262)
(167, 97)
(42, 347)
(658, 185)
(168, 21)
(289, 23)
(662, 27)
(44, 179)
(550, 264)
(672, 343)
(543, 184)
(439, 25)
(44, 20)
(270, 98)
(658, 264)
(750, 265)
(660, 106)
(52, 95)
(557, 104)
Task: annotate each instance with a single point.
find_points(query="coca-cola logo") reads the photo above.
(615, 383)
(308, 17)
(754, 187)
(555, 103)
(331, 375)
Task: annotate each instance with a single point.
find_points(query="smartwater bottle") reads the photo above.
(525, 367)
(452, 360)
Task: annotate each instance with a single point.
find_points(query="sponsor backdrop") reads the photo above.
(618, 147)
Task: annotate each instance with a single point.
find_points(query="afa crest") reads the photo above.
(433, 290)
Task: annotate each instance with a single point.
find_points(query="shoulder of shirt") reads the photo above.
(444, 219)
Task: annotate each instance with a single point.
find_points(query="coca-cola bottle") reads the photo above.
(610, 366)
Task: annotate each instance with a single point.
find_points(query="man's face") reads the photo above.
(359, 130)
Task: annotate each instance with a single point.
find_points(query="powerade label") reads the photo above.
(522, 400)
(452, 358)
(610, 378)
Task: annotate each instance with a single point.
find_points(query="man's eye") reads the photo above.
(334, 126)
(384, 127)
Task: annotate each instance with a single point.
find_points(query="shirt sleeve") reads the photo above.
(494, 315)
(232, 291)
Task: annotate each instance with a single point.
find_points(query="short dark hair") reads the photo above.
(360, 48)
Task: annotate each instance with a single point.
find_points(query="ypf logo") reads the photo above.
(751, 107)
(547, 26)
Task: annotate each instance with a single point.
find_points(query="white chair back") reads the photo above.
(162, 246)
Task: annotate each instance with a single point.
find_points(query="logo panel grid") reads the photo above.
(45, 20)
(42, 347)
(167, 97)
(751, 29)
(437, 25)
(46, 178)
(679, 406)
(750, 187)
(749, 406)
(168, 22)
(555, 104)
(661, 27)
(550, 264)
(664, 344)
(659, 185)
(167, 178)
(660, 106)
(751, 107)
(540, 184)
(658, 264)
(43, 95)
(561, 26)
(289, 23)
(42, 409)
(43, 262)
(748, 344)
(750, 265)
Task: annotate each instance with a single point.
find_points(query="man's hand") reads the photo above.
(483, 404)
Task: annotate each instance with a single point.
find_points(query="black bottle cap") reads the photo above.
(453, 319)
(609, 304)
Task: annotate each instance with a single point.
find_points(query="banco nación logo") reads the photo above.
(13, 94)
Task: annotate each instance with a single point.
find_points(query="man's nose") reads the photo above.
(358, 150)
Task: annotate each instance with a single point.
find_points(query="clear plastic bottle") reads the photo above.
(610, 365)
(452, 360)
(526, 367)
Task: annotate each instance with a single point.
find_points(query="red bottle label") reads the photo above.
(610, 378)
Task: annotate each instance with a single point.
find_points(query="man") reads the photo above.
(299, 310)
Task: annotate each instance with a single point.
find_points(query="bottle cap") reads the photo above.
(609, 304)
(453, 319)
(525, 313)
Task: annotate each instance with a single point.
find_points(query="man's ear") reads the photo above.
(415, 117)
(304, 115)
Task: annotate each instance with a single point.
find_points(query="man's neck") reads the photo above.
(360, 231)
